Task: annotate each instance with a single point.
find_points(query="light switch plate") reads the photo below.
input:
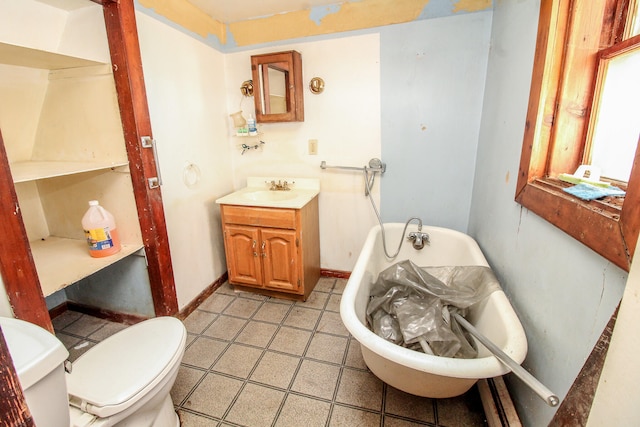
(313, 146)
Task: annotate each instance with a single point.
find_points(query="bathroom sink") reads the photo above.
(269, 196)
(256, 193)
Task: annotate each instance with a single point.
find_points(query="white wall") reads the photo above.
(186, 91)
(49, 21)
(23, 96)
(345, 119)
(563, 292)
(613, 403)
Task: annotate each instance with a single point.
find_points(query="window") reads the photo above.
(579, 96)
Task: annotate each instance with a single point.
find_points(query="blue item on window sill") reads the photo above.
(586, 191)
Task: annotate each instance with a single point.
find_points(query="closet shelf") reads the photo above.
(32, 171)
(61, 262)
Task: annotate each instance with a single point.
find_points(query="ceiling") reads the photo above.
(225, 10)
(239, 10)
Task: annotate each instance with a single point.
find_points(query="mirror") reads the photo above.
(277, 79)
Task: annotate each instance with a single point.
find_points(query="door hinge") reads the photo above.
(297, 242)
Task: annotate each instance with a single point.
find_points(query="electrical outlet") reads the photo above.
(313, 146)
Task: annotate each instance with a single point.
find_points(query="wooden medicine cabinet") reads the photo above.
(277, 80)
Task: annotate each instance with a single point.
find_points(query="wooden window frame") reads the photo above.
(570, 35)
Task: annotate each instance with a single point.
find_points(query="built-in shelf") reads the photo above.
(34, 58)
(61, 262)
(31, 171)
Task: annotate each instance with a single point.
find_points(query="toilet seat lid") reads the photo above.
(120, 370)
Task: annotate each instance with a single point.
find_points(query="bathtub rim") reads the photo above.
(483, 367)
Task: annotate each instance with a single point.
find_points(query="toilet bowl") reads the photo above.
(124, 380)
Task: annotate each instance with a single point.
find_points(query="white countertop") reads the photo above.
(257, 193)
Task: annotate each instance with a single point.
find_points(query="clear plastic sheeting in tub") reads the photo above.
(411, 306)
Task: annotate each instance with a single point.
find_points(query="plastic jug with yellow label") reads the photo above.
(100, 230)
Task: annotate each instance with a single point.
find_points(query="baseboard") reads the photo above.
(206, 293)
(496, 401)
(58, 310)
(182, 314)
(335, 273)
(114, 316)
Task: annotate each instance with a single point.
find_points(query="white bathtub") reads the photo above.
(416, 372)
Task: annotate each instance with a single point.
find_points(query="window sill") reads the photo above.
(595, 223)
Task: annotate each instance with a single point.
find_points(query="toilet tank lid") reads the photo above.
(120, 370)
(34, 350)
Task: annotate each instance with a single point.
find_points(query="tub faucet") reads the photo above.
(418, 239)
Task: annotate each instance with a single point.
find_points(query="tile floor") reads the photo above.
(257, 361)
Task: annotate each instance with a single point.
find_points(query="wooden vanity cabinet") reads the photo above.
(275, 251)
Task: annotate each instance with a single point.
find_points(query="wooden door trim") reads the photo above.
(126, 59)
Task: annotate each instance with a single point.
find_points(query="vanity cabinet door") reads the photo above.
(280, 259)
(243, 254)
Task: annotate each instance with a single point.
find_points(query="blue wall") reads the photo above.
(563, 292)
(432, 86)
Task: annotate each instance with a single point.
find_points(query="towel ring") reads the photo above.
(191, 175)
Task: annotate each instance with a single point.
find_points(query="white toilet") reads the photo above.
(123, 381)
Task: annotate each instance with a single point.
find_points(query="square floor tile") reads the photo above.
(252, 295)
(275, 369)
(334, 303)
(214, 395)
(299, 410)
(301, 317)
(325, 347)
(192, 420)
(68, 340)
(290, 340)
(339, 286)
(258, 334)
(325, 284)
(203, 352)
(225, 327)
(256, 406)
(316, 299)
(272, 312)
(408, 405)
(198, 321)
(461, 411)
(80, 348)
(360, 388)
(391, 421)
(227, 289)
(238, 360)
(316, 379)
(185, 380)
(331, 323)
(108, 329)
(242, 307)
(354, 355)
(85, 326)
(65, 319)
(342, 416)
(216, 303)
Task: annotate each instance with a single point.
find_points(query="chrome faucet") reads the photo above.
(418, 238)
